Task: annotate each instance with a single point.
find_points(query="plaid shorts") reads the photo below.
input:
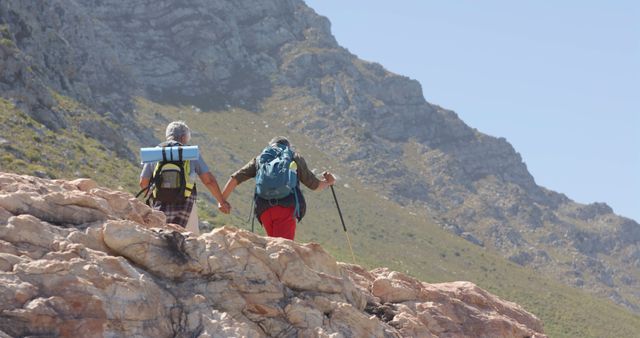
(177, 213)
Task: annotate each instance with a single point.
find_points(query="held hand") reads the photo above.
(224, 207)
(329, 177)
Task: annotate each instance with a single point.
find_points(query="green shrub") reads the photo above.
(7, 43)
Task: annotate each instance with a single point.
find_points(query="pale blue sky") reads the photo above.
(559, 80)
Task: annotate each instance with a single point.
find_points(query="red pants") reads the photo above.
(279, 221)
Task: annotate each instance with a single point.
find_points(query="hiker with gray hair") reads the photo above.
(278, 215)
(182, 210)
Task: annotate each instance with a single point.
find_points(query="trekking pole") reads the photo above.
(343, 226)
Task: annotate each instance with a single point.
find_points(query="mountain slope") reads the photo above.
(383, 232)
(398, 237)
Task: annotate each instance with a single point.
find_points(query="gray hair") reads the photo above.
(177, 130)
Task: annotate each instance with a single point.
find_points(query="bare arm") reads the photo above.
(232, 183)
(144, 182)
(246, 172)
(212, 184)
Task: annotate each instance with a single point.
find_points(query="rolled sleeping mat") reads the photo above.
(171, 153)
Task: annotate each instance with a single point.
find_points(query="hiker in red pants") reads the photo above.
(278, 199)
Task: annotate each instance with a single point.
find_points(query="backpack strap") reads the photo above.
(145, 190)
(183, 178)
(297, 209)
(253, 204)
(148, 190)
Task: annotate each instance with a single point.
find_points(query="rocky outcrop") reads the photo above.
(69, 51)
(19, 82)
(420, 309)
(80, 260)
(207, 53)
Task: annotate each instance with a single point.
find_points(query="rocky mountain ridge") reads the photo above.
(280, 57)
(80, 260)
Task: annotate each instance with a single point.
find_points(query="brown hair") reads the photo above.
(279, 140)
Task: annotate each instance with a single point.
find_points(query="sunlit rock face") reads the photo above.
(78, 260)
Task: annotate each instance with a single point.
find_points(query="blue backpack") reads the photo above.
(276, 176)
